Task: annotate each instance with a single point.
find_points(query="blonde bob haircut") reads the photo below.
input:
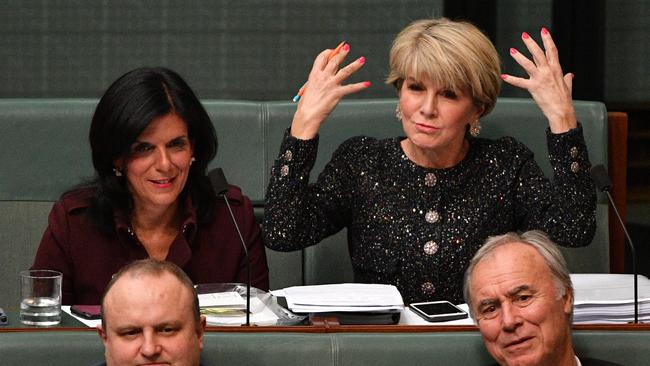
(454, 55)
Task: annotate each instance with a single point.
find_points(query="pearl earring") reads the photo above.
(118, 173)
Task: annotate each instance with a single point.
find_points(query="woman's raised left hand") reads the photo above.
(549, 87)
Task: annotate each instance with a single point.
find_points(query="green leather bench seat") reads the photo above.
(56, 348)
(44, 152)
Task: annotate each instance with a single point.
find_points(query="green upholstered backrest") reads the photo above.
(56, 348)
(522, 119)
(242, 135)
(45, 151)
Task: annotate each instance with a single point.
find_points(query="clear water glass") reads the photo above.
(40, 292)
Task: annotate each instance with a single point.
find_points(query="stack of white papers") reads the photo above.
(260, 315)
(348, 297)
(609, 298)
(229, 308)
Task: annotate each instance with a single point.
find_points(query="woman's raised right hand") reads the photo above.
(324, 90)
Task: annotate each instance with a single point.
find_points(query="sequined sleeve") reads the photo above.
(566, 207)
(298, 214)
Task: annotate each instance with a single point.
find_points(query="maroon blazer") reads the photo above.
(208, 252)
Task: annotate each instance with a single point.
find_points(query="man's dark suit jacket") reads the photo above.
(595, 362)
(589, 362)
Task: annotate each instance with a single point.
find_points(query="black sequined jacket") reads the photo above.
(418, 228)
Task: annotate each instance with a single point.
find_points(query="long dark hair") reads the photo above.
(125, 110)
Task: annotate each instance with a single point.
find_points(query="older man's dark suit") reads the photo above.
(589, 362)
(595, 362)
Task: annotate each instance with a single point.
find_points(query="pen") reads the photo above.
(304, 86)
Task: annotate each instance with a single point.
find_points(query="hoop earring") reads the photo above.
(118, 173)
(475, 128)
(398, 113)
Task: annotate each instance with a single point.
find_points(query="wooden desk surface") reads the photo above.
(319, 325)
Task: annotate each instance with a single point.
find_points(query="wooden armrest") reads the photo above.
(617, 156)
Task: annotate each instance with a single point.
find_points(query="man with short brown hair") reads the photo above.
(150, 314)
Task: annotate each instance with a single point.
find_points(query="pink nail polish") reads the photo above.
(544, 31)
(504, 76)
(346, 47)
(362, 60)
(513, 51)
(525, 35)
(367, 83)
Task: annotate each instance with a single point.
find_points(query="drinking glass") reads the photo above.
(40, 292)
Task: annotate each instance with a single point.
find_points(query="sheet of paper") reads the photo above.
(343, 297)
(277, 293)
(222, 299)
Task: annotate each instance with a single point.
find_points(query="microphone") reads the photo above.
(601, 179)
(220, 187)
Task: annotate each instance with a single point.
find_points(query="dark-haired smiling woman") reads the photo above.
(151, 142)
